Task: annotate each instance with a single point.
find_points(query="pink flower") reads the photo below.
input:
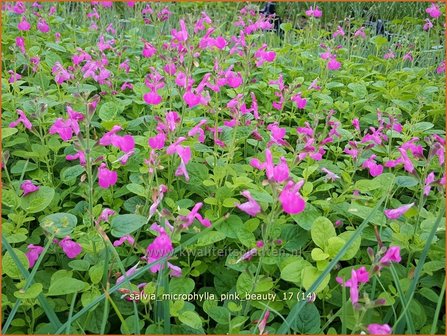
(299, 101)
(356, 124)
(106, 177)
(158, 141)
(379, 329)
(374, 168)
(70, 248)
(290, 199)
(251, 207)
(194, 214)
(391, 255)
(360, 33)
(433, 11)
(159, 248)
(123, 239)
(357, 276)
(60, 73)
(338, 32)
(14, 76)
(441, 68)
(22, 119)
(66, 128)
(263, 323)
(23, 24)
(198, 130)
(408, 57)
(149, 50)
(33, 254)
(19, 8)
(28, 187)
(316, 13)
(427, 25)
(263, 56)
(128, 273)
(396, 213)
(170, 69)
(105, 214)
(333, 64)
(277, 134)
(78, 155)
(20, 43)
(42, 25)
(162, 189)
(330, 175)
(152, 98)
(428, 181)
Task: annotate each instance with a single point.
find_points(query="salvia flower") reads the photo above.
(22, 119)
(28, 187)
(24, 25)
(106, 177)
(433, 11)
(379, 329)
(357, 276)
(43, 26)
(251, 207)
(105, 214)
(316, 13)
(391, 255)
(20, 43)
(123, 239)
(158, 141)
(194, 214)
(70, 247)
(290, 198)
(330, 175)
(33, 254)
(14, 76)
(338, 32)
(263, 56)
(333, 64)
(128, 273)
(398, 212)
(79, 155)
(263, 323)
(360, 33)
(374, 168)
(299, 101)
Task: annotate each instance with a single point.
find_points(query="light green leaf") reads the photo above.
(322, 229)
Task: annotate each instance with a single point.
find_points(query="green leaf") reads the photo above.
(352, 250)
(293, 272)
(261, 196)
(209, 238)
(406, 181)
(244, 283)
(38, 200)
(8, 131)
(191, 319)
(181, 285)
(318, 254)
(322, 229)
(137, 189)
(79, 265)
(60, 224)
(63, 286)
(308, 320)
(306, 218)
(219, 314)
(363, 212)
(10, 267)
(125, 224)
(55, 46)
(96, 272)
(70, 174)
(310, 274)
(110, 110)
(31, 293)
(334, 245)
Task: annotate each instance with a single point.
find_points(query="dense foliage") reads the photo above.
(185, 168)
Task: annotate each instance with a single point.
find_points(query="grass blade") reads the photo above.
(285, 327)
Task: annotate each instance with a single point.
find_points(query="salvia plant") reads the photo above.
(175, 168)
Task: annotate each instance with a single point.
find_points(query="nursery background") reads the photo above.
(190, 168)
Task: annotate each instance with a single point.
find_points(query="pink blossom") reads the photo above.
(66, 128)
(357, 276)
(356, 124)
(338, 32)
(360, 33)
(441, 68)
(408, 57)
(22, 119)
(333, 64)
(162, 189)
(198, 130)
(379, 329)
(19, 8)
(247, 255)
(158, 249)
(60, 73)
(105, 214)
(251, 207)
(28, 187)
(78, 155)
(427, 25)
(14, 76)
(263, 56)
(391, 255)
(194, 214)
(316, 13)
(433, 11)
(158, 141)
(70, 248)
(290, 199)
(123, 239)
(20, 43)
(170, 69)
(106, 177)
(277, 134)
(330, 175)
(128, 273)
(299, 101)
(428, 181)
(33, 254)
(24, 25)
(263, 323)
(396, 213)
(152, 98)
(43, 26)
(148, 50)
(374, 168)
